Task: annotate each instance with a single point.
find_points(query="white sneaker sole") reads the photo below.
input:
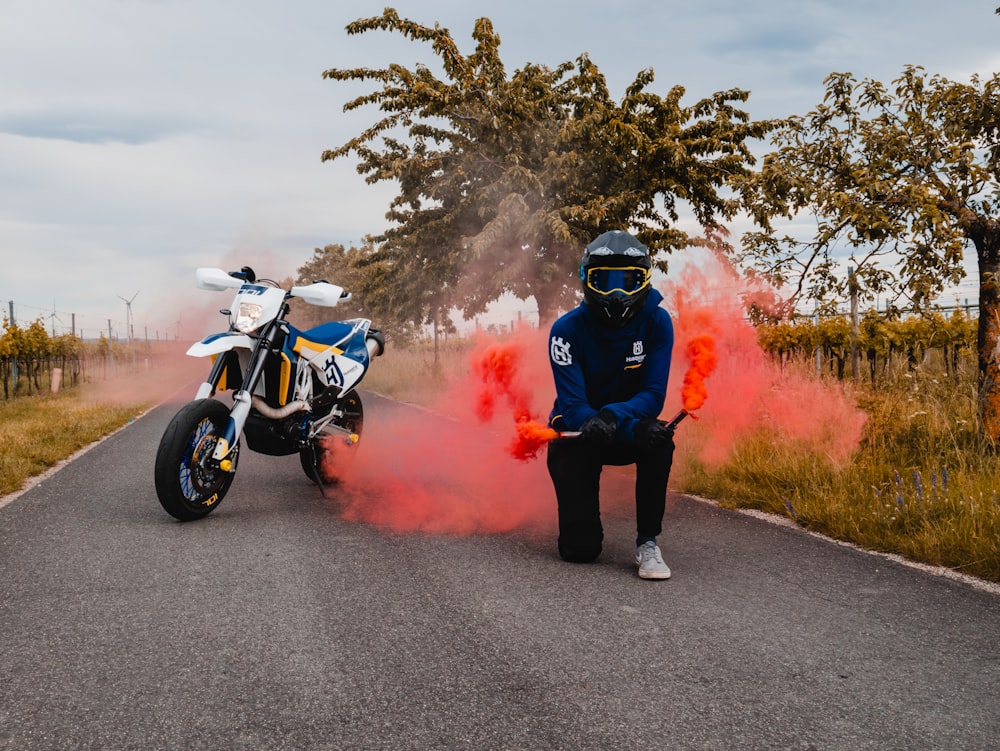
(654, 574)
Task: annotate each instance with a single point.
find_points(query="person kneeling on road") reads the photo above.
(610, 359)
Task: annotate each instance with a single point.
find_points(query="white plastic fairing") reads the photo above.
(319, 293)
(219, 344)
(216, 280)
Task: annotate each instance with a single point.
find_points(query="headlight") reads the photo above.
(247, 317)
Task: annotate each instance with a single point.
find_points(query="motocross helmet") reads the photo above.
(616, 272)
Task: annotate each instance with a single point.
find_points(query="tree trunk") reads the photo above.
(437, 345)
(988, 335)
(546, 309)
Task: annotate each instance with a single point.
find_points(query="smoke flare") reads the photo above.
(531, 436)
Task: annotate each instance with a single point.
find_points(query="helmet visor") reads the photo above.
(625, 280)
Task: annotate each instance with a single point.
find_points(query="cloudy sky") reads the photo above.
(140, 139)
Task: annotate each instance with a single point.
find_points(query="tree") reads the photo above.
(334, 264)
(502, 180)
(904, 179)
(355, 270)
(10, 343)
(36, 348)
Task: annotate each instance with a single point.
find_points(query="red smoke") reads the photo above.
(163, 373)
(410, 473)
(700, 352)
(749, 392)
(498, 367)
(419, 471)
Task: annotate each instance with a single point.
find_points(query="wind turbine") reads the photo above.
(52, 320)
(128, 321)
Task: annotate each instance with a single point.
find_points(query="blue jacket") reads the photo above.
(624, 370)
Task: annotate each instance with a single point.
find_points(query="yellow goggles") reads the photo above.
(626, 280)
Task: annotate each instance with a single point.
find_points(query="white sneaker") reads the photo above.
(650, 562)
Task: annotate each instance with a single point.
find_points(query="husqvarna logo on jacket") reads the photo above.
(559, 351)
(637, 355)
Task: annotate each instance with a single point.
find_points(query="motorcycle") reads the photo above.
(292, 392)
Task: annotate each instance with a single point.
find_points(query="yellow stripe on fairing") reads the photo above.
(307, 348)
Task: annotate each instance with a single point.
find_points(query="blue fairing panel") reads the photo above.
(347, 336)
(331, 332)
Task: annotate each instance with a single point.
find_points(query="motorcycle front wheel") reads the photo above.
(324, 458)
(187, 484)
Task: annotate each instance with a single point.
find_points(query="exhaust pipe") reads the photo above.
(278, 413)
(375, 342)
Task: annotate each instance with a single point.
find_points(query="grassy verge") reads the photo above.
(38, 432)
(922, 485)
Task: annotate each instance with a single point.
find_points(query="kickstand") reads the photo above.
(322, 486)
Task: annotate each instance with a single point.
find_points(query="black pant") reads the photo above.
(575, 466)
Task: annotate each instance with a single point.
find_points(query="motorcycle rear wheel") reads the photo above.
(187, 486)
(324, 459)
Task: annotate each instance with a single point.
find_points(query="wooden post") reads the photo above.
(853, 285)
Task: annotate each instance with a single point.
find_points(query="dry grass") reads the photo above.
(922, 485)
(40, 431)
(413, 374)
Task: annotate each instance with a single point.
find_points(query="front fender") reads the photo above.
(217, 343)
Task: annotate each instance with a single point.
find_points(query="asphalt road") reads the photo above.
(276, 624)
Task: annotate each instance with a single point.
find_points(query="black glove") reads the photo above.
(600, 428)
(652, 433)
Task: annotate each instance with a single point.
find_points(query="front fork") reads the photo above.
(266, 342)
(208, 388)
